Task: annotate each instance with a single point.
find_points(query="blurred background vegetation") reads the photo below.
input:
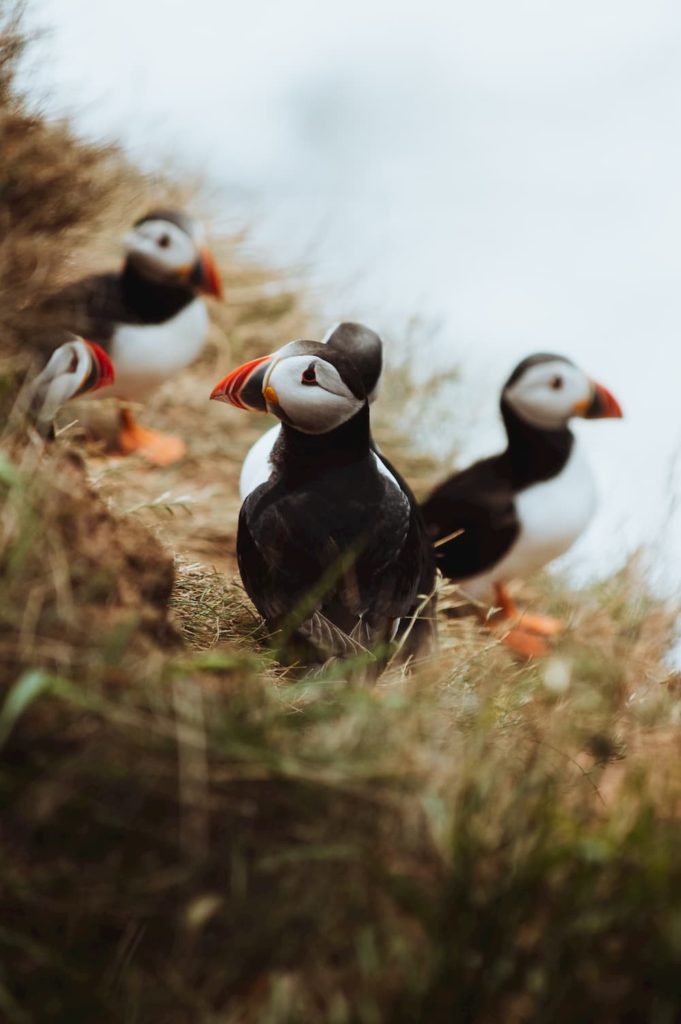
(191, 833)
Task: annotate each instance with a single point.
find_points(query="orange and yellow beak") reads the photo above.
(206, 276)
(243, 387)
(105, 368)
(603, 405)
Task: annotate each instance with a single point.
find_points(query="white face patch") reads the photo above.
(549, 394)
(311, 393)
(161, 248)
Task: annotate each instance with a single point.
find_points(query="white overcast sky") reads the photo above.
(510, 168)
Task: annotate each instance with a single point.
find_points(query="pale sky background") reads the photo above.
(507, 169)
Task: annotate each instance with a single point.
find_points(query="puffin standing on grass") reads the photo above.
(509, 515)
(331, 549)
(150, 317)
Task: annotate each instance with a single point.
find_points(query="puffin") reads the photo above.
(149, 317)
(331, 549)
(365, 349)
(77, 368)
(508, 516)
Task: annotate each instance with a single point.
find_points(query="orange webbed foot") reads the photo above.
(527, 644)
(156, 447)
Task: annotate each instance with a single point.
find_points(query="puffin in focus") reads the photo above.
(78, 367)
(364, 348)
(508, 516)
(331, 549)
(150, 317)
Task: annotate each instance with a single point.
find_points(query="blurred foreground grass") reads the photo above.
(189, 833)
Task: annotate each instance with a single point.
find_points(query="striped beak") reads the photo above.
(243, 387)
(206, 276)
(101, 373)
(603, 405)
(107, 373)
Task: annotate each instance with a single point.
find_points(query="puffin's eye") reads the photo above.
(556, 383)
(309, 375)
(164, 241)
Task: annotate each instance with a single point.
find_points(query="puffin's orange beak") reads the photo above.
(106, 374)
(603, 405)
(206, 276)
(243, 386)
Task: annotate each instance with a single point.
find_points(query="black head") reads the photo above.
(364, 347)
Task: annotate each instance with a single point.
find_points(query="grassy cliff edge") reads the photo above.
(189, 832)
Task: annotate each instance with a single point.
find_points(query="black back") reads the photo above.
(95, 306)
(480, 500)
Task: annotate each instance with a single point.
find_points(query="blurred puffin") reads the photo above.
(330, 546)
(509, 515)
(364, 348)
(76, 368)
(150, 317)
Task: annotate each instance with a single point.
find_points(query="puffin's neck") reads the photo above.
(308, 455)
(534, 453)
(153, 299)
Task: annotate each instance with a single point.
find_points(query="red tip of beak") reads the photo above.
(230, 387)
(208, 279)
(604, 405)
(104, 364)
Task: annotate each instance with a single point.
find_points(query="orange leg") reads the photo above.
(506, 604)
(158, 448)
(531, 622)
(525, 632)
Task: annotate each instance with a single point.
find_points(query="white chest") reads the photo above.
(256, 467)
(552, 515)
(145, 355)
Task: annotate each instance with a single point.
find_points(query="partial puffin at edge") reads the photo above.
(76, 368)
(520, 509)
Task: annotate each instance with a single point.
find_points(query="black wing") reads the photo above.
(421, 537)
(276, 568)
(417, 629)
(90, 307)
(480, 502)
